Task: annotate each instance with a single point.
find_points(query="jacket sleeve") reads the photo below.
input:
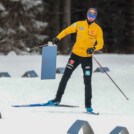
(99, 39)
(71, 29)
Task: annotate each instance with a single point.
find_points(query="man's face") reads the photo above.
(91, 16)
(90, 19)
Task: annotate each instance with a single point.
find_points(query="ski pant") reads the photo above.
(86, 64)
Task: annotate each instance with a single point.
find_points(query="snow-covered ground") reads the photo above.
(114, 109)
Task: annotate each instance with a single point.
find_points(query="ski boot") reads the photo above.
(89, 109)
(54, 102)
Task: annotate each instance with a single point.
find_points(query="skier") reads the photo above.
(89, 39)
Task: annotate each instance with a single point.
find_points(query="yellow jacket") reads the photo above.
(87, 35)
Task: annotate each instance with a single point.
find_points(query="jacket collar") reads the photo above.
(88, 23)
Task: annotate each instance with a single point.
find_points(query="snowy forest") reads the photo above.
(30, 23)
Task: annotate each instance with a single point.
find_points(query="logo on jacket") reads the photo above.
(81, 28)
(87, 73)
(71, 61)
(74, 24)
(92, 32)
(87, 67)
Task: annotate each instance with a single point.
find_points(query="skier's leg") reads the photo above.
(70, 67)
(87, 74)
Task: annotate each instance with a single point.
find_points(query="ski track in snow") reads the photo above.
(114, 109)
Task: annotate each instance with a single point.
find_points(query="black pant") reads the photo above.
(74, 61)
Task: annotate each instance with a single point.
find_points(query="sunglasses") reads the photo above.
(93, 16)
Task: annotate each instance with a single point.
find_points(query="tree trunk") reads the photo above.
(90, 3)
(56, 17)
(118, 26)
(66, 42)
(130, 26)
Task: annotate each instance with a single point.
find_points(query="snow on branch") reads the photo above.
(2, 8)
(31, 3)
(39, 24)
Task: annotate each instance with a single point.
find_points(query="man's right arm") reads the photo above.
(68, 30)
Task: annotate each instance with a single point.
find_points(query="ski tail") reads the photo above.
(94, 113)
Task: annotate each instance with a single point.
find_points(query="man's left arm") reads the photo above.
(98, 44)
(99, 39)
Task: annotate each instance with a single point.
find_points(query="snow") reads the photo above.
(41, 37)
(12, 53)
(21, 27)
(2, 8)
(31, 3)
(9, 31)
(39, 24)
(2, 30)
(4, 13)
(114, 109)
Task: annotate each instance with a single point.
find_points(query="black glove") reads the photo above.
(90, 50)
(55, 40)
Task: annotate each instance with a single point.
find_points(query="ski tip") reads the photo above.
(97, 113)
(92, 113)
(15, 106)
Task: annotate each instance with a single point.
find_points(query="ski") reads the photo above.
(55, 105)
(44, 105)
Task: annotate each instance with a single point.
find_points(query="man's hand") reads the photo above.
(55, 40)
(90, 50)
